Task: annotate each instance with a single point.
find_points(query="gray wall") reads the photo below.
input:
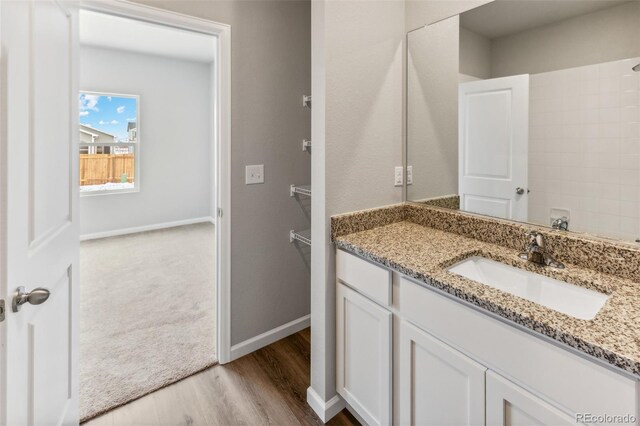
(422, 12)
(364, 44)
(475, 54)
(432, 110)
(271, 70)
(602, 36)
(174, 175)
(357, 134)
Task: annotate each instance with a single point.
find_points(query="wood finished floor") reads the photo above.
(267, 387)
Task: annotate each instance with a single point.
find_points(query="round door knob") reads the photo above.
(519, 191)
(36, 296)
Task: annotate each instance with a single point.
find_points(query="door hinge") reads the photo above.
(1, 310)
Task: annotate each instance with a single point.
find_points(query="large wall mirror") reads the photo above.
(529, 111)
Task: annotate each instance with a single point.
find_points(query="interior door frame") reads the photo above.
(221, 142)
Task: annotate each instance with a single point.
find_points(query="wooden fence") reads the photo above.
(96, 169)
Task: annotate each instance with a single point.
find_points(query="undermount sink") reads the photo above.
(560, 296)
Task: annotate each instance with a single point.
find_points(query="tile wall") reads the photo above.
(584, 148)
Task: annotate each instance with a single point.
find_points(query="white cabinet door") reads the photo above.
(510, 405)
(363, 352)
(438, 385)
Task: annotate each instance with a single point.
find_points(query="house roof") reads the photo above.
(95, 132)
(82, 130)
(131, 125)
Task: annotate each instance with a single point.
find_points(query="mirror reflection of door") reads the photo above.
(466, 146)
(493, 139)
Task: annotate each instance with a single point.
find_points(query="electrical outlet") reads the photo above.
(409, 175)
(398, 176)
(254, 174)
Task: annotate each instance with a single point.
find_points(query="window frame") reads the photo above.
(135, 145)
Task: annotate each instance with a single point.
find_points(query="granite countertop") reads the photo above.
(423, 253)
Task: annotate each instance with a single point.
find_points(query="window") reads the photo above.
(109, 143)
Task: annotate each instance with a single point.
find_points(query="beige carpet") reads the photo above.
(147, 315)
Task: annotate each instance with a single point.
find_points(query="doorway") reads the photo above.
(39, 189)
(151, 256)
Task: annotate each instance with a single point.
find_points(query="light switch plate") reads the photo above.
(254, 174)
(398, 176)
(409, 175)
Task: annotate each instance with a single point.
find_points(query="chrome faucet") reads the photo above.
(561, 223)
(535, 252)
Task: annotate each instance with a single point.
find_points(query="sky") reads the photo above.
(107, 113)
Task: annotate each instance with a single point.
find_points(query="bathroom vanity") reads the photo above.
(519, 130)
(419, 343)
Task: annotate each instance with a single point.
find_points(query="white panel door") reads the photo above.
(510, 405)
(363, 355)
(492, 148)
(39, 234)
(438, 385)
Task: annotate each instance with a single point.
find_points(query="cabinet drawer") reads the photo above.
(371, 280)
(571, 382)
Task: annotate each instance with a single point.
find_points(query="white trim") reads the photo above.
(155, 15)
(3, 243)
(260, 341)
(355, 414)
(106, 143)
(223, 195)
(136, 145)
(222, 117)
(136, 229)
(102, 192)
(324, 410)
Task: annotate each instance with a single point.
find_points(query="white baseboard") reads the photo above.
(355, 414)
(153, 227)
(325, 410)
(250, 345)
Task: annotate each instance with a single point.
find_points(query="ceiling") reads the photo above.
(114, 32)
(505, 17)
